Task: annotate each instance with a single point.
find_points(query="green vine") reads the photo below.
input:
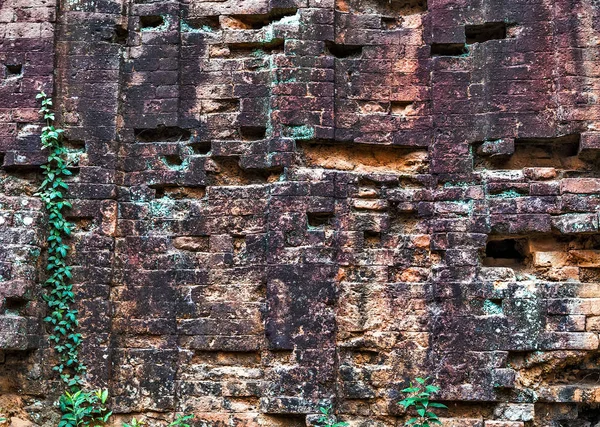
(59, 297)
(79, 408)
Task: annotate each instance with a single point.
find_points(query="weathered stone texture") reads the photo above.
(282, 204)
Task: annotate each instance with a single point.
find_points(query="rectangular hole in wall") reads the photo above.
(253, 133)
(402, 108)
(206, 23)
(562, 146)
(229, 172)
(253, 49)
(162, 134)
(372, 239)
(320, 219)
(343, 51)
(13, 70)
(368, 181)
(508, 189)
(373, 107)
(558, 152)
(201, 147)
(15, 305)
(547, 256)
(448, 49)
(178, 192)
(365, 158)
(583, 376)
(258, 21)
(151, 21)
(505, 253)
(383, 7)
(120, 34)
(173, 160)
(485, 32)
(390, 23)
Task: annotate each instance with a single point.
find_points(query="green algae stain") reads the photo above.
(176, 165)
(508, 194)
(301, 133)
(492, 308)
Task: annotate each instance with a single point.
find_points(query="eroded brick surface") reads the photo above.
(282, 204)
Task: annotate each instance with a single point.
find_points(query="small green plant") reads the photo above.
(181, 421)
(134, 423)
(418, 398)
(84, 408)
(327, 419)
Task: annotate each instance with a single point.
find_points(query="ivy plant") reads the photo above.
(418, 399)
(79, 408)
(62, 317)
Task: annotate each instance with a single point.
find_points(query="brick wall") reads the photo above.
(289, 203)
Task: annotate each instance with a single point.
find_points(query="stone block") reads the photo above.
(14, 333)
(576, 223)
(515, 411)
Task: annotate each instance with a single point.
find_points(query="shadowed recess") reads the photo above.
(558, 152)
(206, 23)
(253, 133)
(504, 253)
(448, 49)
(13, 70)
(320, 219)
(120, 34)
(201, 147)
(178, 192)
(342, 51)
(485, 32)
(151, 21)
(372, 239)
(364, 157)
(383, 7)
(255, 49)
(258, 21)
(162, 134)
(15, 304)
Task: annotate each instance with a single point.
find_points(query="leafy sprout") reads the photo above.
(327, 419)
(418, 399)
(134, 423)
(181, 421)
(83, 409)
